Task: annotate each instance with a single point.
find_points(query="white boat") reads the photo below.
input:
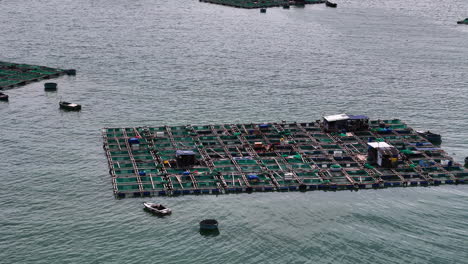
(157, 208)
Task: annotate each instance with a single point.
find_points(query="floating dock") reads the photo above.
(262, 3)
(14, 75)
(335, 153)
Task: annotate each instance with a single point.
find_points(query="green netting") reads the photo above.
(312, 180)
(206, 184)
(125, 180)
(120, 171)
(246, 162)
(127, 187)
(222, 162)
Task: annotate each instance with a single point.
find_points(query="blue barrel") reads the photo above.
(133, 141)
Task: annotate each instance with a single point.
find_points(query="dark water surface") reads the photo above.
(153, 62)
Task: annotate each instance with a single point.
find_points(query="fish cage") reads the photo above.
(236, 158)
(14, 75)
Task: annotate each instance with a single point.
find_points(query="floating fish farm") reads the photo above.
(340, 152)
(14, 75)
(262, 3)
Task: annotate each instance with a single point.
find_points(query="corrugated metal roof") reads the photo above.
(339, 117)
(379, 145)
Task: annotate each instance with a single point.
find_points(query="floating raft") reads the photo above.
(14, 75)
(235, 158)
(261, 3)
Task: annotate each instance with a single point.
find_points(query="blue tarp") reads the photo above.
(185, 152)
(420, 143)
(426, 149)
(133, 141)
(358, 117)
(252, 177)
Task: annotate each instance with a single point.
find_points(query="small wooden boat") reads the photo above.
(69, 106)
(463, 21)
(3, 97)
(158, 209)
(208, 224)
(330, 4)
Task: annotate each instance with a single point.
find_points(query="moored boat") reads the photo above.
(158, 209)
(209, 224)
(330, 4)
(3, 97)
(69, 106)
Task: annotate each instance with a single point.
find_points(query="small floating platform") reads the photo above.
(50, 86)
(15, 75)
(262, 4)
(208, 224)
(340, 152)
